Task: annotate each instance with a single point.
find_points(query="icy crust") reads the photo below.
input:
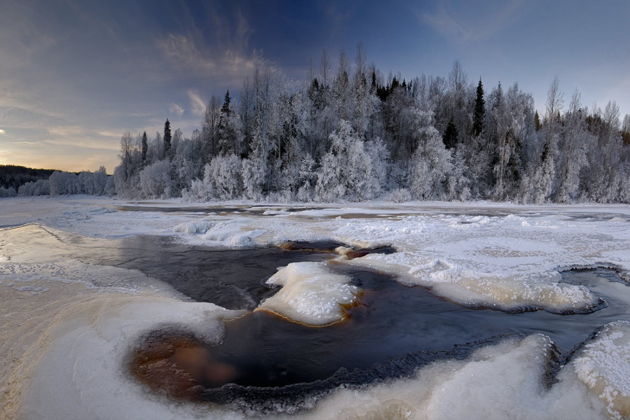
(32, 256)
(311, 294)
(518, 293)
(229, 234)
(512, 293)
(82, 373)
(506, 258)
(604, 366)
(498, 382)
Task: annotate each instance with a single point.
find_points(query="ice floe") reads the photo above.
(311, 294)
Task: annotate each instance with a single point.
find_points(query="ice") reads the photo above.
(229, 234)
(66, 325)
(195, 227)
(82, 373)
(503, 381)
(310, 294)
(604, 366)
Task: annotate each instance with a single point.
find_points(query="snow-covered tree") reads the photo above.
(352, 133)
(223, 177)
(431, 162)
(155, 180)
(347, 171)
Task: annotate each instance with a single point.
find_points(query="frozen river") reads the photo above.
(429, 310)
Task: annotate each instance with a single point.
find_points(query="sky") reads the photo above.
(76, 75)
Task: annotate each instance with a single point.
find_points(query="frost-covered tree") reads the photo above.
(155, 180)
(431, 162)
(33, 188)
(7, 192)
(353, 133)
(223, 175)
(229, 135)
(575, 144)
(347, 170)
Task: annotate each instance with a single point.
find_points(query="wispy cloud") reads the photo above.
(459, 27)
(176, 109)
(81, 137)
(188, 55)
(224, 55)
(69, 130)
(15, 116)
(109, 133)
(197, 104)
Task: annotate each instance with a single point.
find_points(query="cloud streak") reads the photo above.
(176, 109)
(185, 54)
(465, 28)
(197, 104)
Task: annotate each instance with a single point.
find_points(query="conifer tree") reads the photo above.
(144, 148)
(228, 129)
(167, 138)
(480, 111)
(450, 135)
(225, 109)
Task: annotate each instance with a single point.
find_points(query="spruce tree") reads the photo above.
(225, 109)
(145, 148)
(480, 111)
(450, 135)
(167, 138)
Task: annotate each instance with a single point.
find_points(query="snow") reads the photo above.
(499, 255)
(67, 325)
(604, 366)
(496, 382)
(85, 363)
(230, 234)
(310, 294)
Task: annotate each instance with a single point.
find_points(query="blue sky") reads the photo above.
(75, 75)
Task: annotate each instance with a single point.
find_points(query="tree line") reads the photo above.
(350, 133)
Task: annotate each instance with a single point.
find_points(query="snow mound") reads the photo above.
(509, 294)
(228, 234)
(604, 366)
(509, 290)
(497, 382)
(82, 374)
(195, 227)
(310, 294)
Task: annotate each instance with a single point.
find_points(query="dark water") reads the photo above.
(266, 361)
(232, 278)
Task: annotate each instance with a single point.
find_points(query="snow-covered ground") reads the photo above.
(67, 325)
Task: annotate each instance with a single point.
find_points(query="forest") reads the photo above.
(350, 133)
